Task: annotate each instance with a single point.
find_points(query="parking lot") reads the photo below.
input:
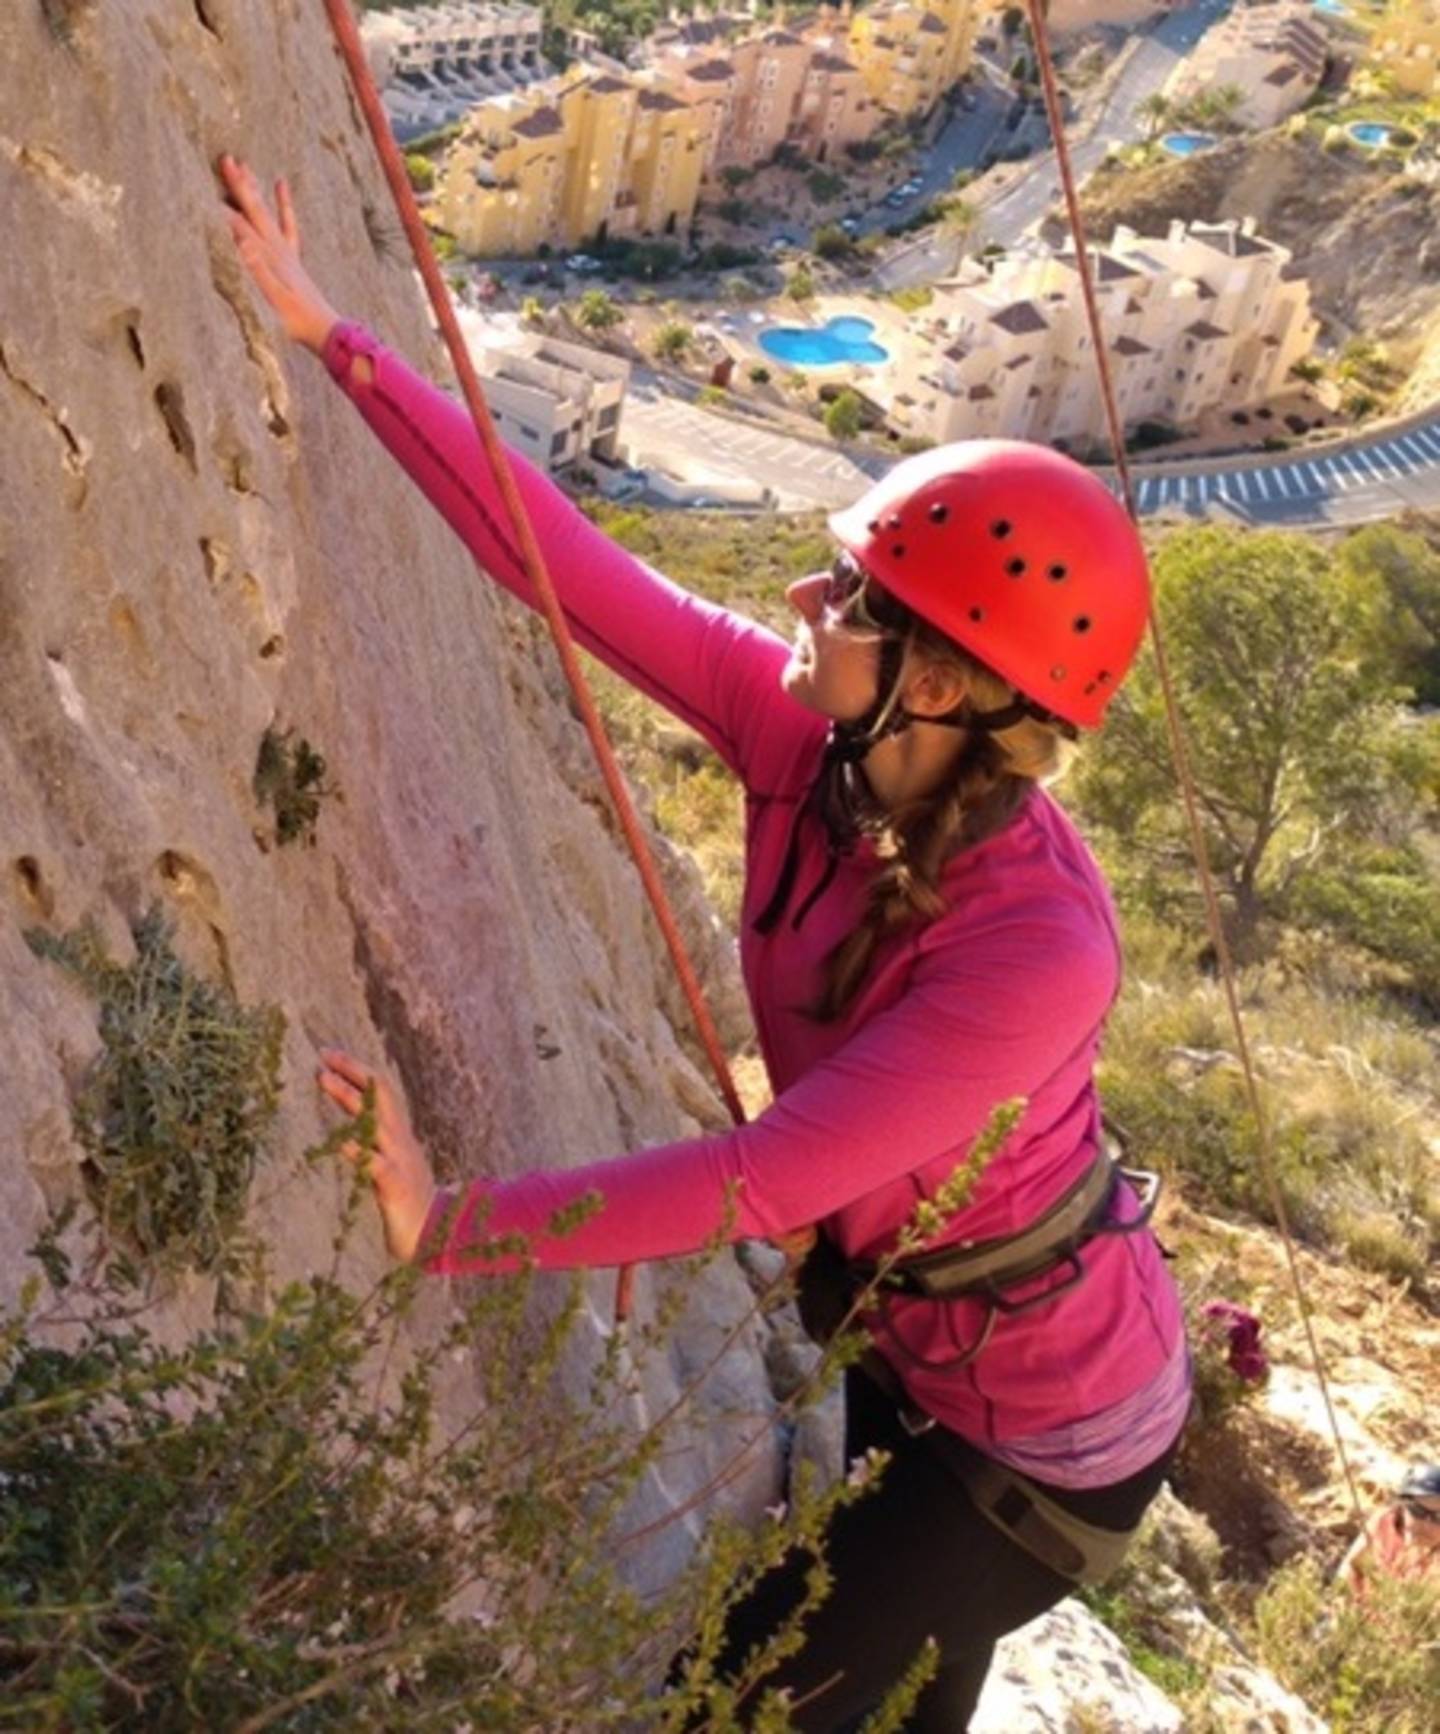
(1367, 482)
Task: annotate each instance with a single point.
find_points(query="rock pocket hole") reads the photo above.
(137, 348)
(35, 893)
(205, 12)
(170, 401)
(272, 647)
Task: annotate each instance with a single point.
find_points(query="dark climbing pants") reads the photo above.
(911, 1560)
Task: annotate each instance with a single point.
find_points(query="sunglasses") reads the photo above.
(854, 602)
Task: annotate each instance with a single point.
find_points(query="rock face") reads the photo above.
(200, 542)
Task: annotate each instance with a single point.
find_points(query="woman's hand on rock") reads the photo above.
(404, 1183)
(269, 248)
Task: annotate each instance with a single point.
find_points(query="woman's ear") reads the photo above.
(932, 688)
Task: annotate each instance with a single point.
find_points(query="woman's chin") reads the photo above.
(797, 679)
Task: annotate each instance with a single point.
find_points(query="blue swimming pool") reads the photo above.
(838, 340)
(1369, 132)
(1187, 144)
(1335, 8)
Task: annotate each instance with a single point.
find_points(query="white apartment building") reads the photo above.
(1272, 51)
(555, 402)
(1204, 316)
(433, 64)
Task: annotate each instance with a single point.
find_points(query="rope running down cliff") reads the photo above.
(1179, 750)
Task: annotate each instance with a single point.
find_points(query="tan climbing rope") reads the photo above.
(1178, 747)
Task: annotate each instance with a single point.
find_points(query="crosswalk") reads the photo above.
(1289, 485)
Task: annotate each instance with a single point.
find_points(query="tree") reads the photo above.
(673, 340)
(957, 216)
(801, 286)
(1289, 713)
(532, 311)
(1398, 573)
(421, 172)
(1157, 111)
(844, 416)
(597, 312)
(831, 242)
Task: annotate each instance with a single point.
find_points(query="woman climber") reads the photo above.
(924, 936)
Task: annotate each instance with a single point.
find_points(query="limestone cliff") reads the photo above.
(200, 542)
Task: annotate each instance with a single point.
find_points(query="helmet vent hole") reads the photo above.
(1082, 624)
(1000, 529)
(1057, 572)
(977, 615)
(873, 527)
(1103, 676)
(1016, 568)
(939, 513)
(898, 551)
(894, 521)
(1090, 688)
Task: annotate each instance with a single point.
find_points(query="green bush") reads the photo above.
(270, 1526)
(174, 1114)
(759, 374)
(845, 416)
(289, 778)
(421, 172)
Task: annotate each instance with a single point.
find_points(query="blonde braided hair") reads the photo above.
(989, 781)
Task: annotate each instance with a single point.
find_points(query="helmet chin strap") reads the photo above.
(850, 743)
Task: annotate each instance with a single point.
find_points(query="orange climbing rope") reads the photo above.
(347, 37)
(1178, 747)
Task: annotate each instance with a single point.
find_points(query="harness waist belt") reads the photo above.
(985, 1266)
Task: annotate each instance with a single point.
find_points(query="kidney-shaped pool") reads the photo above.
(839, 340)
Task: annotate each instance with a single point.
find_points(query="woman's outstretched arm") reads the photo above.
(713, 669)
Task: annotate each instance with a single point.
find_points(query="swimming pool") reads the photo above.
(1369, 133)
(1335, 8)
(839, 340)
(1187, 144)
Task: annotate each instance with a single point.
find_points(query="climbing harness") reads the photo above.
(830, 1287)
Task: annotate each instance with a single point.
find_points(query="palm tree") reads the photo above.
(1157, 111)
(1225, 102)
(672, 340)
(596, 311)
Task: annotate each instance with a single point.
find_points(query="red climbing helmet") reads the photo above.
(1019, 554)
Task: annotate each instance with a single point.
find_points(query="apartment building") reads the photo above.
(910, 52)
(556, 402)
(768, 88)
(1407, 45)
(592, 153)
(1204, 316)
(1272, 51)
(432, 64)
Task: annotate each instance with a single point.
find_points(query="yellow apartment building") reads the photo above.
(1202, 317)
(1407, 46)
(598, 111)
(501, 187)
(910, 52)
(665, 158)
(590, 154)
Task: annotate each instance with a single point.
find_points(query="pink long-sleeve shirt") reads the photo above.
(1003, 996)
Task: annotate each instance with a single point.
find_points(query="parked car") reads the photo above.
(849, 224)
(582, 264)
(895, 200)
